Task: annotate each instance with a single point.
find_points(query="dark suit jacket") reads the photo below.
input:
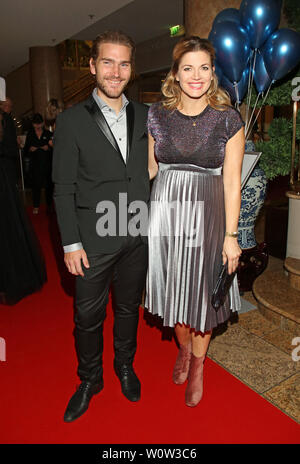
(88, 168)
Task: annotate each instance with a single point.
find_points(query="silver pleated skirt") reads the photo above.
(186, 234)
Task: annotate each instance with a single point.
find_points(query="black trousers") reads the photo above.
(125, 272)
(36, 193)
(41, 177)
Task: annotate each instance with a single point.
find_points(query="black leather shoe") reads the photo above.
(79, 402)
(130, 384)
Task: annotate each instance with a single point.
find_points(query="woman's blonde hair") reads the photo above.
(53, 108)
(217, 97)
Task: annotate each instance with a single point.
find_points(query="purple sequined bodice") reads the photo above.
(178, 141)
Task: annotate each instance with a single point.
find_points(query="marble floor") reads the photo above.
(260, 354)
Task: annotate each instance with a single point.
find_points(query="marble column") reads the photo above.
(199, 14)
(293, 239)
(46, 80)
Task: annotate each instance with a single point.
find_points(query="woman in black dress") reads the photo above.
(22, 269)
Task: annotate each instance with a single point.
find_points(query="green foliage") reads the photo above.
(279, 95)
(291, 10)
(297, 126)
(276, 152)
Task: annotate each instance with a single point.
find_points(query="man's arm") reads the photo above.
(64, 175)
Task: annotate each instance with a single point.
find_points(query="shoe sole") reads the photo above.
(132, 400)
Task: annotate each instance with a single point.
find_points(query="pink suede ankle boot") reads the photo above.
(182, 364)
(194, 389)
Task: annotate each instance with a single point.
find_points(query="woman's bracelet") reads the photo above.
(231, 234)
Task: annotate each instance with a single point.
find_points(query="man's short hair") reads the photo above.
(114, 37)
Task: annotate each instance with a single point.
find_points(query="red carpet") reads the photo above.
(39, 376)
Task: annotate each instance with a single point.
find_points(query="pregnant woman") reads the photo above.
(196, 148)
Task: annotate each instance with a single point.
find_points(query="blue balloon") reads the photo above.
(218, 71)
(210, 36)
(232, 46)
(281, 53)
(261, 77)
(229, 14)
(260, 18)
(242, 87)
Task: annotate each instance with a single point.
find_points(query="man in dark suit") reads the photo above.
(100, 156)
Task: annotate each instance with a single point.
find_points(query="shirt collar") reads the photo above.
(103, 105)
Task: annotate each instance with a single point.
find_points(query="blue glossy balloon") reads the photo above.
(218, 71)
(210, 36)
(260, 18)
(242, 86)
(232, 46)
(261, 77)
(229, 14)
(281, 53)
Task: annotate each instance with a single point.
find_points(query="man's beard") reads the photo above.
(110, 93)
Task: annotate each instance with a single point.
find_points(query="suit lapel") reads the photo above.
(100, 120)
(130, 127)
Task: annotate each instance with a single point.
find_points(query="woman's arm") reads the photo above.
(46, 135)
(234, 154)
(152, 164)
(28, 142)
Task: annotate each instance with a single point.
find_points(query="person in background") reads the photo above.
(53, 108)
(10, 143)
(22, 269)
(7, 106)
(38, 147)
(196, 149)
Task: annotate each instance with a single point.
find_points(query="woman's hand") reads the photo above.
(32, 148)
(232, 167)
(231, 253)
(152, 163)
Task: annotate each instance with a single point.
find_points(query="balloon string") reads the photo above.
(264, 99)
(250, 82)
(235, 85)
(255, 104)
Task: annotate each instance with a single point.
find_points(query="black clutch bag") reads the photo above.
(222, 287)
